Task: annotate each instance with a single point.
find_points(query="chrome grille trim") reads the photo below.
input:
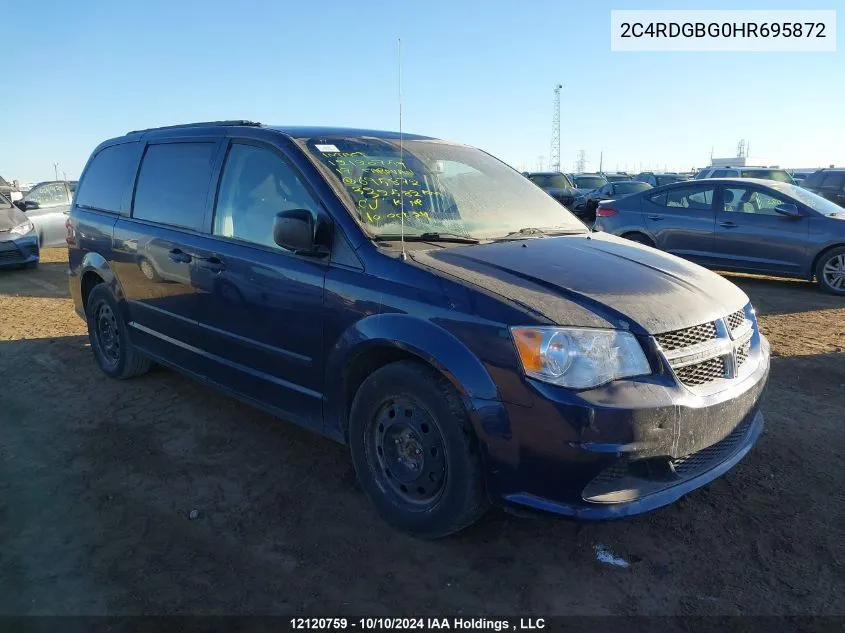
(704, 355)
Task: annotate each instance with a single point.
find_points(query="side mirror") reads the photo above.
(29, 205)
(296, 230)
(789, 210)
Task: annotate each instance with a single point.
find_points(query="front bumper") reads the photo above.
(21, 250)
(626, 448)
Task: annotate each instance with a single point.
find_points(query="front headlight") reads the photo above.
(579, 358)
(22, 229)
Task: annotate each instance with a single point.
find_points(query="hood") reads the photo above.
(10, 217)
(593, 280)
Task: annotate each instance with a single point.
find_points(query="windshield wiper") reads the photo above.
(428, 237)
(529, 231)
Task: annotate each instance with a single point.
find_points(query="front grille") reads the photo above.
(742, 353)
(736, 319)
(703, 372)
(687, 337)
(10, 255)
(715, 454)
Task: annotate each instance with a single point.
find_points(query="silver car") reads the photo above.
(47, 205)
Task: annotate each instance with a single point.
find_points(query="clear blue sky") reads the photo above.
(476, 72)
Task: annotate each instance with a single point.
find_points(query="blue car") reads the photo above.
(421, 302)
(18, 237)
(743, 225)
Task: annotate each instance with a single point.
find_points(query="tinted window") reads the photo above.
(747, 200)
(173, 184)
(630, 187)
(667, 180)
(49, 194)
(256, 185)
(107, 176)
(834, 180)
(815, 179)
(589, 182)
(546, 181)
(696, 198)
(767, 174)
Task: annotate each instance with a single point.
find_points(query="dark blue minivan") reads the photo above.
(469, 339)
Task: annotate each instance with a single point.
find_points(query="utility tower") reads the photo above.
(742, 149)
(554, 154)
(581, 163)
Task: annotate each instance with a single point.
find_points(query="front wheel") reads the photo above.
(415, 452)
(115, 355)
(830, 271)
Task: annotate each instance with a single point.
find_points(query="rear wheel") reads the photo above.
(414, 451)
(115, 355)
(830, 271)
(639, 238)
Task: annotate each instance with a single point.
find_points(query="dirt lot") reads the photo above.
(98, 479)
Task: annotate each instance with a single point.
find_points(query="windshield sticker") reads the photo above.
(328, 148)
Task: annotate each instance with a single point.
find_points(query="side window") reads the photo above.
(49, 194)
(720, 173)
(173, 184)
(747, 200)
(731, 173)
(257, 184)
(107, 176)
(834, 181)
(815, 179)
(694, 198)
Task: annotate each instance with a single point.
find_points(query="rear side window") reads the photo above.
(107, 177)
(834, 181)
(694, 198)
(173, 184)
(815, 179)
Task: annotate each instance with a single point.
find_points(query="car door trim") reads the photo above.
(243, 368)
(306, 360)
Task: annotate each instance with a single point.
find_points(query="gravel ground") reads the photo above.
(99, 478)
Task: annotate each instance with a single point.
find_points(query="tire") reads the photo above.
(115, 355)
(830, 271)
(408, 429)
(639, 238)
(148, 270)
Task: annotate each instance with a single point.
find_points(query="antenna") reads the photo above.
(401, 156)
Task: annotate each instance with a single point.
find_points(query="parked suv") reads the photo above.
(766, 173)
(554, 183)
(829, 183)
(423, 303)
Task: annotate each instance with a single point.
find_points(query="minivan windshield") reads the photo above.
(437, 187)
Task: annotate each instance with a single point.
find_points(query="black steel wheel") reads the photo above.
(415, 452)
(113, 351)
(405, 448)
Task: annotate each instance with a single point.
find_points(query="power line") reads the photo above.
(554, 154)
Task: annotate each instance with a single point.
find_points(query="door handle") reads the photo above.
(655, 217)
(179, 256)
(214, 264)
(728, 225)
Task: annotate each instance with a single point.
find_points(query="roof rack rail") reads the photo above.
(200, 124)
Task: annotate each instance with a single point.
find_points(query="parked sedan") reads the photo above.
(743, 225)
(47, 205)
(610, 191)
(18, 238)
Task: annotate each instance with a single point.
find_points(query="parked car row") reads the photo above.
(45, 209)
(744, 225)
